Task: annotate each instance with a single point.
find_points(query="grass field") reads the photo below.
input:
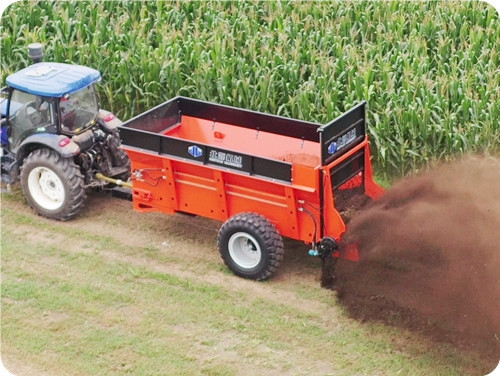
(81, 298)
(429, 70)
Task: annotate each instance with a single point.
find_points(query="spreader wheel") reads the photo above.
(250, 246)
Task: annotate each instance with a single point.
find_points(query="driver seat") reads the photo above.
(21, 122)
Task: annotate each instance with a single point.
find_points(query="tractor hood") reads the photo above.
(53, 79)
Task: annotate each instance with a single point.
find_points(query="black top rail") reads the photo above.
(145, 131)
(207, 154)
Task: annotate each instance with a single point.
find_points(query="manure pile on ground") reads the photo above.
(430, 256)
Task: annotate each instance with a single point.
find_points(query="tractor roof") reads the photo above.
(53, 79)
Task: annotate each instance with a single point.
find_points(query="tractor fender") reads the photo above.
(61, 144)
(108, 120)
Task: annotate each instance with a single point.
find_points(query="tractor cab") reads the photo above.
(55, 139)
(48, 98)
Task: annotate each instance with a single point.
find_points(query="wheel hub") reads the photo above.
(244, 250)
(51, 185)
(46, 188)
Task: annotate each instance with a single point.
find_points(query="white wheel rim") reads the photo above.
(46, 188)
(244, 250)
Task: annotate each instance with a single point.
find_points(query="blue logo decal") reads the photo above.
(332, 148)
(195, 151)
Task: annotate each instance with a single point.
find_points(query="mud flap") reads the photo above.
(328, 277)
(328, 253)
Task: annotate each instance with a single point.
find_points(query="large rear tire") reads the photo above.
(53, 185)
(250, 246)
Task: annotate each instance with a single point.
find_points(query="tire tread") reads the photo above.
(264, 230)
(71, 175)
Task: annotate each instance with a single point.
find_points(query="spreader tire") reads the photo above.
(53, 185)
(250, 246)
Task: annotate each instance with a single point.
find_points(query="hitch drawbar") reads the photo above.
(123, 189)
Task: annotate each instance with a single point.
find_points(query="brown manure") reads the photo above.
(430, 256)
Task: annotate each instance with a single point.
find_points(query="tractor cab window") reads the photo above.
(26, 112)
(78, 110)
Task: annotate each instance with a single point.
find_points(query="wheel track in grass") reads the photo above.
(162, 249)
(170, 263)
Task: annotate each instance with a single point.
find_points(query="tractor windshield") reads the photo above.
(78, 110)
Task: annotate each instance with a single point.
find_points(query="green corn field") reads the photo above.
(430, 71)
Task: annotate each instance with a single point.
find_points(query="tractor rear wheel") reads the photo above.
(250, 246)
(53, 185)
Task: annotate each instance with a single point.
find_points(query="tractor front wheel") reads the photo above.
(53, 185)
(250, 246)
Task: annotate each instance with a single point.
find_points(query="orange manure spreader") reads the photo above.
(263, 176)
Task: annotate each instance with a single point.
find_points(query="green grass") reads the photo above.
(113, 309)
(429, 70)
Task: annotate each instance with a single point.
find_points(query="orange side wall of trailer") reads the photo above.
(170, 184)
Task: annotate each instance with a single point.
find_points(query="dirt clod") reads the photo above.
(430, 256)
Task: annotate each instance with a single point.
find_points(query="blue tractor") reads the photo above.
(55, 139)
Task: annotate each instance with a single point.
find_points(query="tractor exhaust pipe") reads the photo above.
(35, 52)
